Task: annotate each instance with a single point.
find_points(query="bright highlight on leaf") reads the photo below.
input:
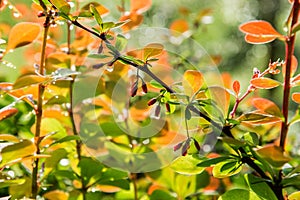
(22, 34)
(259, 32)
(192, 81)
(264, 83)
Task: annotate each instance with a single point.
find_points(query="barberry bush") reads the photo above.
(119, 100)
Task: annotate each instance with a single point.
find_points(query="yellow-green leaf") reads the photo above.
(264, 83)
(187, 165)
(8, 138)
(192, 82)
(22, 34)
(294, 196)
(273, 155)
(221, 170)
(17, 151)
(62, 6)
(28, 80)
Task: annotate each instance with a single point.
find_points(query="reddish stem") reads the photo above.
(290, 46)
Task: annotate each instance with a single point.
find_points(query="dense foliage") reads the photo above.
(106, 102)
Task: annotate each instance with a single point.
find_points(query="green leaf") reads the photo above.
(28, 80)
(121, 42)
(106, 26)
(98, 56)
(232, 141)
(238, 194)
(51, 162)
(187, 165)
(121, 183)
(161, 194)
(96, 14)
(17, 151)
(228, 170)
(251, 138)
(213, 161)
(228, 165)
(22, 34)
(62, 6)
(296, 27)
(90, 168)
(7, 183)
(293, 180)
(260, 187)
(156, 84)
(57, 99)
(264, 83)
(67, 139)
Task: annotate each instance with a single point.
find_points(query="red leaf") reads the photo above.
(258, 39)
(264, 83)
(258, 28)
(236, 87)
(296, 97)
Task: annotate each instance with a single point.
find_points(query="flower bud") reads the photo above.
(134, 89)
(144, 87)
(152, 101)
(168, 107)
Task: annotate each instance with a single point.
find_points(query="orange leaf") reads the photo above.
(236, 87)
(253, 39)
(192, 81)
(22, 34)
(259, 28)
(296, 97)
(7, 112)
(153, 49)
(273, 155)
(6, 86)
(179, 26)
(266, 106)
(264, 83)
(140, 6)
(135, 20)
